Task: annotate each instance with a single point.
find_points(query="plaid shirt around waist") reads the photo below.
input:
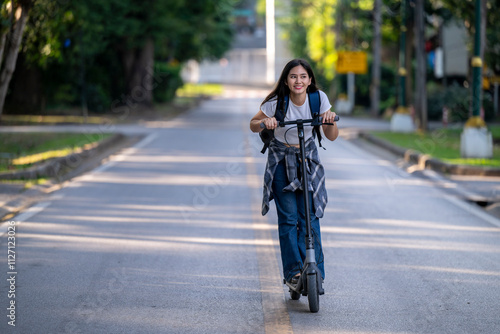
(279, 151)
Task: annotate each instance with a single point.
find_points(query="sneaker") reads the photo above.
(295, 279)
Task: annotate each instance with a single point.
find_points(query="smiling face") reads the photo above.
(298, 80)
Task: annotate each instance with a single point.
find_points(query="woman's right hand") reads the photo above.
(271, 123)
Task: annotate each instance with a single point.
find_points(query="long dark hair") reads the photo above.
(281, 90)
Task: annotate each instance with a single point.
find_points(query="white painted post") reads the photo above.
(270, 42)
(495, 99)
(351, 94)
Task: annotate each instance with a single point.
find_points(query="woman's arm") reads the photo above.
(259, 118)
(331, 131)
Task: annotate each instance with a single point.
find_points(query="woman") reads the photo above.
(280, 180)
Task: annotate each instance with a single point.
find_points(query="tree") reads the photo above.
(421, 77)
(311, 29)
(14, 16)
(318, 29)
(107, 53)
(376, 49)
(464, 10)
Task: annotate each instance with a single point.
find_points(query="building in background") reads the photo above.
(246, 62)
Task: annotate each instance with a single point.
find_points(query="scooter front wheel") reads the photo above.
(313, 293)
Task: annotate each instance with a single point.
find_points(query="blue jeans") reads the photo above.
(292, 225)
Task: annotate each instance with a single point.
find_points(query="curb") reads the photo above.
(424, 161)
(53, 167)
(28, 198)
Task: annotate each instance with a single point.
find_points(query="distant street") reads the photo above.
(167, 237)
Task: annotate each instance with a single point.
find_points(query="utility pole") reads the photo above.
(477, 64)
(270, 43)
(401, 121)
(476, 140)
(402, 60)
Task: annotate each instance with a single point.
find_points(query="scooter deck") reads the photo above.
(299, 287)
(296, 287)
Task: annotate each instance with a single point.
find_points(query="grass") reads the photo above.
(442, 144)
(52, 119)
(185, 97)
(193, 90)
(22, 150)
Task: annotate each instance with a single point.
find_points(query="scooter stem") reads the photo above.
(310, 254)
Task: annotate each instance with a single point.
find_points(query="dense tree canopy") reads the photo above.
(94, 52)
(319, 29)
(100, 54)
(464, 11)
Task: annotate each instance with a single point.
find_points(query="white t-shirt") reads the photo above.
(295, 112)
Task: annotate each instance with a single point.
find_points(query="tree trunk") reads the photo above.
(25, 89)
(3, 41)
(336, 89)
(410, 44)
(13, 44)
(483, 47)
(420, 87)
(375, 86)
(138, 66)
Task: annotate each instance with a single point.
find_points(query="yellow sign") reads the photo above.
(495, 80)
(352, 62)
(486, 83)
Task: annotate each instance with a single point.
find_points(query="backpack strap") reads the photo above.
(282, 108)
(314, 105)
(268, 135)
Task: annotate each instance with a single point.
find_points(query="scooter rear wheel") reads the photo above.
(313, 293)
(294, 295)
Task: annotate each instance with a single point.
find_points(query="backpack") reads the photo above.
(267, 135)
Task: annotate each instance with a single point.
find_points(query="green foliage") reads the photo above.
(388, 87)
(29, 148)
(81, 46)
(167, 80)
(23, 144)
(261, 8)
(196, 90)
(464, 10)
(317, 30)
(311, 32)
(457, 99)
(443, 144)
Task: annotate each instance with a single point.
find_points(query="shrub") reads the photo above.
(167, 80)
(458, 101)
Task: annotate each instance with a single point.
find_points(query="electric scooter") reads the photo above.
(310, 282)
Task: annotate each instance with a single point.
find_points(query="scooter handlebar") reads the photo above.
(304, 121)
(311, 121)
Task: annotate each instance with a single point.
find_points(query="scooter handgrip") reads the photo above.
(335, 120)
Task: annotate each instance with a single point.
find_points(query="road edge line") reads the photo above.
(275, 310)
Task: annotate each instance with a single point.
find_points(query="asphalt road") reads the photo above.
(167, 237)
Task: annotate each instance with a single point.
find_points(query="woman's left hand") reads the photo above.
(329, 117)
